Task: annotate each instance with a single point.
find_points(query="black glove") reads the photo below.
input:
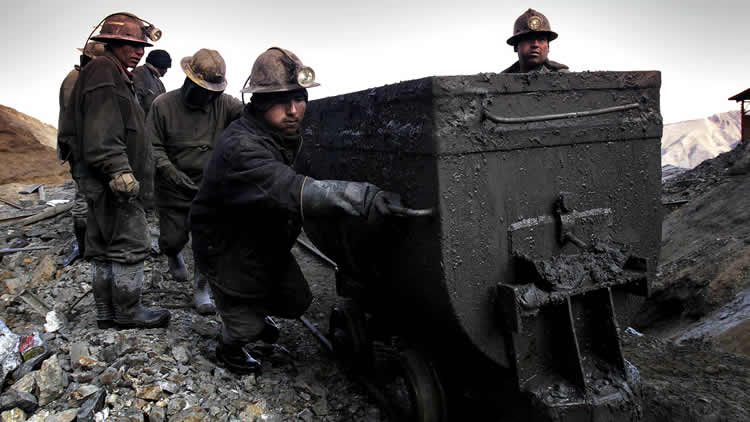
(178, 178)
(332, 197)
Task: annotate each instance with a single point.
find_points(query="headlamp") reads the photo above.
(305, 77)
(152, 32)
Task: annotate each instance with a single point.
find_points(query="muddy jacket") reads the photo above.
(64, 142)
(184, 137)
(106, 122)
(246, 215)
(148, 86)
(546, 67)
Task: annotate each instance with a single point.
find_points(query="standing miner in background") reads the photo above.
(182, 127)
(531, 37)
(117, 172)
(251, 204)
(64, 145)
(146, 78)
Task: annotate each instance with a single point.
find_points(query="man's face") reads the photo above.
(532, 50)
(129, 54)
(162, 71)
(287, 117)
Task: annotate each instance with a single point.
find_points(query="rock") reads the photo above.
(193, 414)
(10, 359)
(40, 416)
(44, 271)
(128, 414)
(249, 382)
(14, 285)
(181, 355)
(49, 379)
(149, 392)
(17, 399)
(251, 412)
(157, 414)
(65, 416)
(95, 403)
(13, 415)
(77, 351)
(169, 387)
(26, 384)
(205, 327)
(110, 376)
(84, 391)
(306, 415)
(175, 406)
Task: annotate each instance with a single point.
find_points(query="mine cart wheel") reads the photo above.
(349, 337)
(426, 394)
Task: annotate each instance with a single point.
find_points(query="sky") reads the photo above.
(700, 47)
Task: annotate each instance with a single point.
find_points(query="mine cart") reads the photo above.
(538, 233)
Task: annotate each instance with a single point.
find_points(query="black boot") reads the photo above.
(177, 268)
(270, 333)
(79, 228)
(102, 288)
(236, 358)
(126, 289)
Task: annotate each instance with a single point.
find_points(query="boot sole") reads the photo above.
(137, 324)
(105, 324)
(241, 370)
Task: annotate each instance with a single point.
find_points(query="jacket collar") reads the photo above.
(153, 69)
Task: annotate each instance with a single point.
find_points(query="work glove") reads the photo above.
(332, 197)
(124, 185)
(178, 178)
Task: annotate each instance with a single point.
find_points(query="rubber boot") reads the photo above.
(102, 288)
(126, 289)
(202, 300)
(177, 268)
(236, 358)
(270, 333)
(79, 228)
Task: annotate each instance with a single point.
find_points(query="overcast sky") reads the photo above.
(702, 48)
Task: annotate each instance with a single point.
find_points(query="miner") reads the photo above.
(64, 145)
(182, 127)
(531, 37)
(251, 205)
(116, 173)
(148, 86)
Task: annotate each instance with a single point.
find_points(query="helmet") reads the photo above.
(126, 27)
(278, 70)
(92, 49)
(531, 21)
(206, 68)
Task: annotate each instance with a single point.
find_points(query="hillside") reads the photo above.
(687, 144)
(27, 150)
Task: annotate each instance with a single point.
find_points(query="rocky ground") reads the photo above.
(170, 374)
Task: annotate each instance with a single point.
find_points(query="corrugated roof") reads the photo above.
(744, 95)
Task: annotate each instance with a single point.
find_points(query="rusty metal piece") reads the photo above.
(571, 115)
(31, 189)
(11, 203)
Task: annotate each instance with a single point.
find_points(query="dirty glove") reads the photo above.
(125, 185)
(332, 197)
(178, 178)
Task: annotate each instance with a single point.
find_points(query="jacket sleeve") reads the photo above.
(104, 130)
(255, 177)
(142, 91)
(155, 135)
(234, 109)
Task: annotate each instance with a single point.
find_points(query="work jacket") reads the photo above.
(246, 215)
(107, 124)
(546, 67)
(183, 136)
(148, 86)
(64, 142)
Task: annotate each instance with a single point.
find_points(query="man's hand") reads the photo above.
(125, 185)
(178, 178)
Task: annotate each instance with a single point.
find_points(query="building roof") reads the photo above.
(744, 95)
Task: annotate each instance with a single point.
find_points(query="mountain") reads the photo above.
(686, 144)
(27, 150)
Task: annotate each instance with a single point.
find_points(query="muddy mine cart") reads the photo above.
(539, 231)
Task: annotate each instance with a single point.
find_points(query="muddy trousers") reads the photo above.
(174, 231)
(243, 318)
(80, 208)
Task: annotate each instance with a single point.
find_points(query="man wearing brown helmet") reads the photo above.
(117, 173)
(531, 37)
(64, 149)
(182, 127)
(251, 204)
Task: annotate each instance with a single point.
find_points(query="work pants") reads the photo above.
(80, 207)
(174, 229)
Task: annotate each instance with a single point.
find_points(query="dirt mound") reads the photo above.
(705, 256)
(27, 150)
